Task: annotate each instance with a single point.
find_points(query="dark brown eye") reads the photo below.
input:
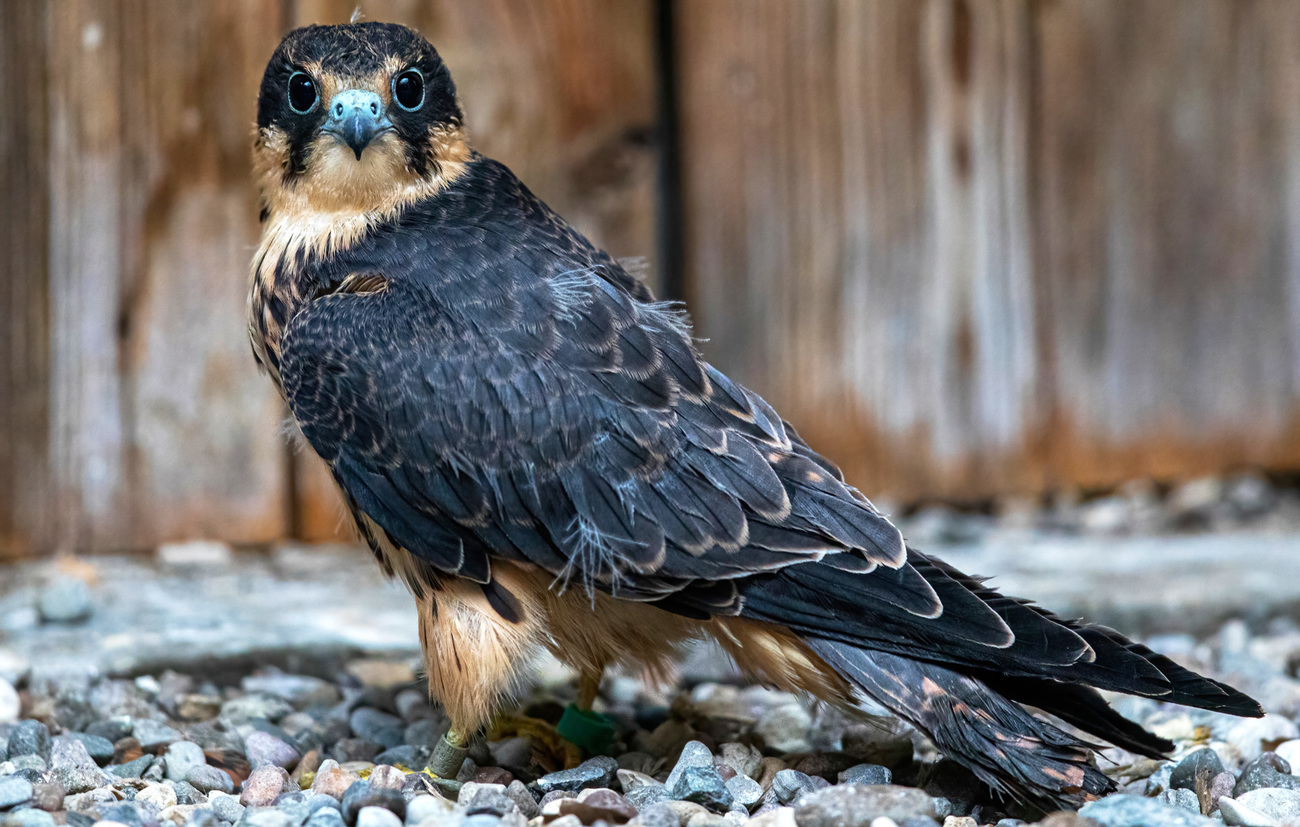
(408, 90)
(302, 93)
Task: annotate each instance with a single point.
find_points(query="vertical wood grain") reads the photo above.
(563, 93)
(207, 454)
(1167, 217)
(24, 289)
(857, 238)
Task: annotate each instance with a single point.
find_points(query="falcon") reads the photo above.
(534, 445)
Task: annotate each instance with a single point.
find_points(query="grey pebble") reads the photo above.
(27, 818)
(181, 757)
(126, 812)
(99, 749)
(76, 780)
(34, 763)
(379, 727)
(657, 815)
(65, 600)
(362, 794)
(206, 779)
(426, 732)
(325, 818)
(1268, 770)
(186, 793)
(14, 791)
(855, 804)
(1184, 799)
(702, 785)
(153, 735)
(301, 691)
(694, 754)
(791, 785)
(266, 817)
(111, 729)
(29, 738)
(263, 748)
(866, 774)
(1204, 760)
(523, 799)
(67, 753)
(1283, 805)
(1135, 811)
(485, 798)
(227, 807)
(377, 817)
(254, 706)
(594, 772)
(744, 790)
(133, 769)
(405, 755)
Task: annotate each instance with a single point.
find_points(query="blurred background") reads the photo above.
(1008, 256)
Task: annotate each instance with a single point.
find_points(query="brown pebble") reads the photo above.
(126, 750)
(48, 797)
(333, 780)
(264, 785)
(308, 763)
(1220, 786)
(767, 770)
(592, 805)
(493, 775)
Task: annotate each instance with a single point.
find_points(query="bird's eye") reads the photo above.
(408, 90)
(302, 93)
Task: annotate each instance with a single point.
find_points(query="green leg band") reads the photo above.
(591, 731)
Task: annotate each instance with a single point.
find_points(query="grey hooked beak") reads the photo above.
(356, 117)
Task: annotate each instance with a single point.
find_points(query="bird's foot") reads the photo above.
(551, 750)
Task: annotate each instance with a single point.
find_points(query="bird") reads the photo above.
(533, 443)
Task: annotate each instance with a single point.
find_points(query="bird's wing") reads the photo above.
(586, 437)
(570, 426)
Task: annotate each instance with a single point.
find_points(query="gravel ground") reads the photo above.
(273, 749)
(137, 691)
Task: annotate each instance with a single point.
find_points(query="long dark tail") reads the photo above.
(1016, 754)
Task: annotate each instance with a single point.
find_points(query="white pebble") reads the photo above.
(10, 707)
(377, 817)
(159, 795)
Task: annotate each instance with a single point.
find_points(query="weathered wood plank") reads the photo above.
(1168, 155)
(207, 457)
(563, 93)
(24, 291)
(158, 426)
(978, 246)
(857, 244)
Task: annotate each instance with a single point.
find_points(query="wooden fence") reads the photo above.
(967, 246)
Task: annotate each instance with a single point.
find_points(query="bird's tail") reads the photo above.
(1014, 752)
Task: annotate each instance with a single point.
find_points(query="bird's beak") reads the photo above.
(356, 117)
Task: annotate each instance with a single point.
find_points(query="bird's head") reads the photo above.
(356, 118)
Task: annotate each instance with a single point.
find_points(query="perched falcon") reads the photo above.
(535, 446)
